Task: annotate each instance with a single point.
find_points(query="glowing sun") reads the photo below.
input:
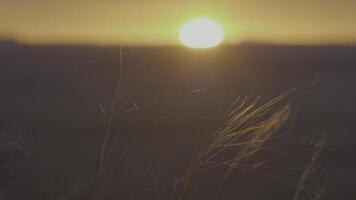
(201, 33)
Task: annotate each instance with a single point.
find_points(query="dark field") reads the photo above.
(52, 94)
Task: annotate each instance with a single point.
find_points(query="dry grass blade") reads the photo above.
(106, 164)
(314, 164)
(247, 128)
(122, 102)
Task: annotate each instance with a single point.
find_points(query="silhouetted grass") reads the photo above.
(249, 125)
(121, 103)
(310, 169)
(247, 128)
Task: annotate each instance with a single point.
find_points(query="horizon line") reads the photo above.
(115, 44)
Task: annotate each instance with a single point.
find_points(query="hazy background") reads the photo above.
(156, 22)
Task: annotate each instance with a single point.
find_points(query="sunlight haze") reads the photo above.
(156, 22)
(201, 33)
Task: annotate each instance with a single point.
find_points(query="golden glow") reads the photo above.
(142, 22)
(201, 33)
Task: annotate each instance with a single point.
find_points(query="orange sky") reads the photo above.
(156, 22)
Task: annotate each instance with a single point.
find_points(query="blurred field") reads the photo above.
(53, 92)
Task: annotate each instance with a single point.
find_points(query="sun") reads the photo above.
(201, 33)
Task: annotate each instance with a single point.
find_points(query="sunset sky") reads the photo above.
(156, 22)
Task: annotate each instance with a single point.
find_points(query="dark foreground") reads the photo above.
(51, 93)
